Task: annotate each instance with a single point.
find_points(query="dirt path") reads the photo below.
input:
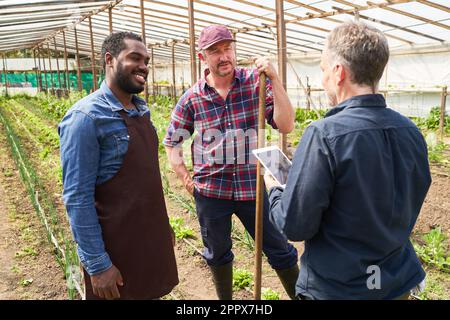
(7, 277)
(28, 269)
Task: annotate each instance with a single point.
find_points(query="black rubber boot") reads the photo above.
(223, 280)
(288, 278)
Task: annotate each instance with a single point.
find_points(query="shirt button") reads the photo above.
(234, 174)
(229, 124)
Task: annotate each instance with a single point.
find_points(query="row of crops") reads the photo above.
(31, 128)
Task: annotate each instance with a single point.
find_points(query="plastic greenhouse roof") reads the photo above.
(33, 24)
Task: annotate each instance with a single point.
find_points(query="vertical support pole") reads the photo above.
(36, 71)
(66, 65)
(110, 20)
(153, 76)
(5, 72)
(145, 44)
(45, 71)
(281, 44)
(308, 94)
(40, 69)
(94, 73)
(199, 68)
(442, 115)
(192, 42)
(259, 189)
(79, 84)
(235, 47)
(57, 62)
(50, 67)
(174, 92)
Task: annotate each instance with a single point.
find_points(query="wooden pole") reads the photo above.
(259, 189)
(110, 20)
(79, 84)
(199, 68)
(174, 92)
(153, 76)
(50, 67)
(66, 65)
(40, 69)
(282, 56)
(36, 72)
(45, 72)
(442, 115)
(94, 73)
(192, 42)
(308, 94)
(5, 72)
(145, 44)
(57, 62)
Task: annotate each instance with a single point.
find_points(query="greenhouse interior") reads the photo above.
(51, 61)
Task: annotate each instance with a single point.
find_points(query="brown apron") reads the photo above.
(133, 217)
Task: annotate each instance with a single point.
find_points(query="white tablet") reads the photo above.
(275, 161)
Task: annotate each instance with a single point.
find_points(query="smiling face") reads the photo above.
(220, 58)
(129, 70)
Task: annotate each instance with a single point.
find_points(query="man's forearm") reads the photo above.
(176, 161)
(283, 113)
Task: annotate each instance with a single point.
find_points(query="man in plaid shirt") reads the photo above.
(223, 108)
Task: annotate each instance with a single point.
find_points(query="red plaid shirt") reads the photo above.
(224, 166)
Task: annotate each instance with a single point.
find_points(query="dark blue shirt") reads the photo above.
(358, 181)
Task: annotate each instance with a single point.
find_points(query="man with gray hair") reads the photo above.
(357, 183)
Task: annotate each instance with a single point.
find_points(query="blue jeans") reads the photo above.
(215, 223)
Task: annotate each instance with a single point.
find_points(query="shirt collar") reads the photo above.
(364, 101)
(204, 84)
(115, 103)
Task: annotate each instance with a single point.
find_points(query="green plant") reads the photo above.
(180, 230)
(434, 250)
(27, 251)
(26, 282)
(269, 294)
(431, 122)
(242, 279)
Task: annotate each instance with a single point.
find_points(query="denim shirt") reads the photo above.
(357, 184)
(94, 140)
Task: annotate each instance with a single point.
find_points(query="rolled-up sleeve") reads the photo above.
(80, 152)
(297, 211)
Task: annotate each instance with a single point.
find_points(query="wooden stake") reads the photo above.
(50, 67)
(442, 115)
(192, 42)
(79, 84)
(145, 44)
(36, 71)
(45, 71)
(174, 92)
(5, 72)
(153, 76)
(281, 44)
(57, 62)
(110, 20)
(66, 65)
(259, 189)
(94, 73)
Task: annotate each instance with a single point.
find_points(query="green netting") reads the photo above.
(17, 79)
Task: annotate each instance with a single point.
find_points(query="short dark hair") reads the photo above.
(114, 44)
(363, 49)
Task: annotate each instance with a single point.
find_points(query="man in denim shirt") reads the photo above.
(112, 184)
(357, 183)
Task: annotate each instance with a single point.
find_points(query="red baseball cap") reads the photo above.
(213, 34)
